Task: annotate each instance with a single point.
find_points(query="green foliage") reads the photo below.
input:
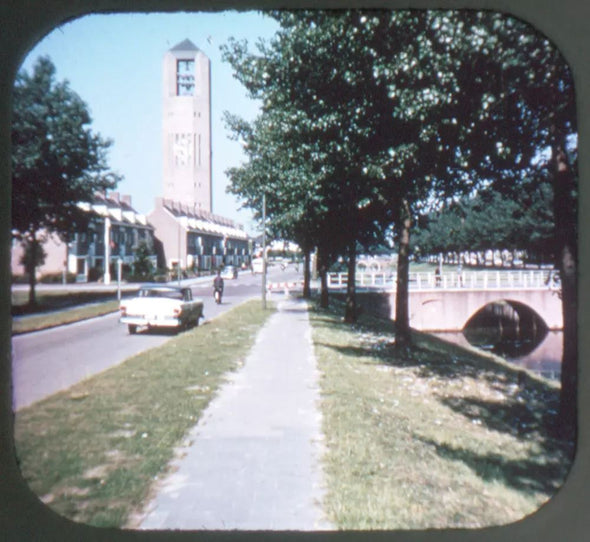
(489, 220)
(57, 278)
(57, 162)
(373, 118)
(34, 255)
(142, 266)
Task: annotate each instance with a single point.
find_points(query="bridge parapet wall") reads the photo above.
(450, 310)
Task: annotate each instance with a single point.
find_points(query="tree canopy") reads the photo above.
(371, 118)
(489, 220)
(57, 161)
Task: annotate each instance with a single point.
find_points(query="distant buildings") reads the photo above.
(188, 233)
(114, 232)
(181, 230)
(196, 239)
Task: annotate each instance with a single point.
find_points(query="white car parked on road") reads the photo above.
(160, 305)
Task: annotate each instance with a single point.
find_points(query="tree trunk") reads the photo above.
(402, 319)
(566, 243)
(350, 312)
(32, 269)
(307, 274)
(323, 272)
(324, 294)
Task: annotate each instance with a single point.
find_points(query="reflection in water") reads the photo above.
(544, 359)
(515, 332)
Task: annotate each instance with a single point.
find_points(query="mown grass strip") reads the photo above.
(92, 452)
(435, 437)
(52, 300)
(36, 322)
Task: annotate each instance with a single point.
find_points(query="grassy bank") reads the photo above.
(35, 322)
(53, 300)
(436, 437)
(58, 307)
(93, 452)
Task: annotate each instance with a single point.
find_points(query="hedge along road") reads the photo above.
(51, 360)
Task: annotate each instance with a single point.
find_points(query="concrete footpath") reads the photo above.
(253, 462)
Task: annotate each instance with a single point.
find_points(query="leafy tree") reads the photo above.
(33, 256)
(519, 94)
(395, 110)
(287, 161)
(57, 162)
(347, 116)
(142, 265)
(488, 220)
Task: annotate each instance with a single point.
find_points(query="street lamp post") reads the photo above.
(119, 269)
(107, 250)
(179, 253)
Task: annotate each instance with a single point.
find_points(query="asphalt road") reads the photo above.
(48, 361)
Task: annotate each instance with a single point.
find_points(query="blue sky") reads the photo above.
(114, 62)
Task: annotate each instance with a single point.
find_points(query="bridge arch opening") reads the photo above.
(506, 327)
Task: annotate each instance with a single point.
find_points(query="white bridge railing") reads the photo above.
(477, 280)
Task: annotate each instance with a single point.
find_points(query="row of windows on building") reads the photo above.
(115, 233)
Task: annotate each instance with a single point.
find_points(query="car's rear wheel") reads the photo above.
(132, 329)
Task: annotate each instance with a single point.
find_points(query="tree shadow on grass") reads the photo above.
(435, 363)
(433, 357)
(533, 474)
(529, 406)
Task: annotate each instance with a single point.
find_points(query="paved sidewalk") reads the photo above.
(253, 463)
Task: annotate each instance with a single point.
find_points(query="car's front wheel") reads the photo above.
(132, 329)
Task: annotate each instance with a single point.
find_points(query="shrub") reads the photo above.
(57, 278)
(95, 273)
(20, 279)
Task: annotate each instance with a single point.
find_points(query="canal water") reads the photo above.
(542, 356)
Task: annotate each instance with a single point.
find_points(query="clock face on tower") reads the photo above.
(181, 149)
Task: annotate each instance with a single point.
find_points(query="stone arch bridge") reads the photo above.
(451, 309)
(447, 302)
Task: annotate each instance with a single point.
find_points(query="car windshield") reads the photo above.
(161, 292)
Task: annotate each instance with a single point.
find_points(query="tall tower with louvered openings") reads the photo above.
(186, 126)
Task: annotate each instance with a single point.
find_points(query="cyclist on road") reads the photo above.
(218, 287)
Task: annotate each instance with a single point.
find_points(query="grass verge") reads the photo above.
(436, 437)
(36, 322)
(92, 452)
(53, 300)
